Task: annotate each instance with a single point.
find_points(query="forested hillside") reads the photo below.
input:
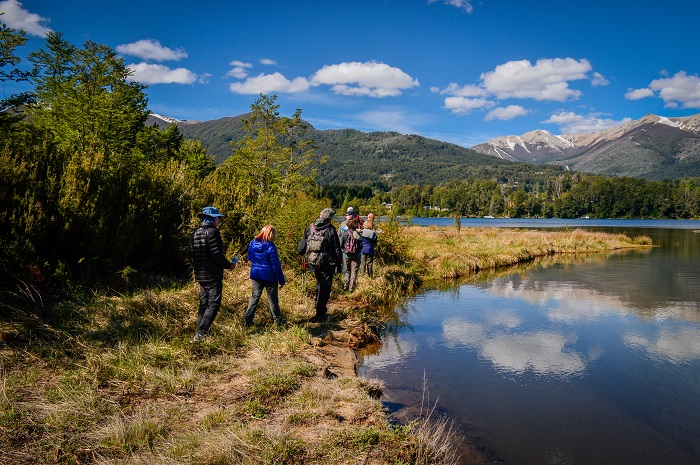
(348, 156)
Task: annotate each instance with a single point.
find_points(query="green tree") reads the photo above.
(10, 40)
(271, 164)
(84, 97)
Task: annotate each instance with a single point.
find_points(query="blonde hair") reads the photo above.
(267, 233)
(367, 225)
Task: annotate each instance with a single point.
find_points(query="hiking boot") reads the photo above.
(198, 337)
(318, 319)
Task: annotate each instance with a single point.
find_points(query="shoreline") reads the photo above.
(117, 378)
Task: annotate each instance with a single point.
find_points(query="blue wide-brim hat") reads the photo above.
(211, 212)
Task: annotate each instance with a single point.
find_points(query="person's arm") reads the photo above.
(276, 265)
(336, 251)
(301, 247)
(216, 249)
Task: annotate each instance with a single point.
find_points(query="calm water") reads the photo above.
(572, 360)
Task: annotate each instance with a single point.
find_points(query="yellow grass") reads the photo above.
(120, 382)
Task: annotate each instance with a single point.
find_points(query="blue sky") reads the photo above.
(462, 71)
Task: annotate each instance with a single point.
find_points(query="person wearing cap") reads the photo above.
(328, 262)
(209, 263)
(350, 214)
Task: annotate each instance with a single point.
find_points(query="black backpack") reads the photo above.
(314, 247)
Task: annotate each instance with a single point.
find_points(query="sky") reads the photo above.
(459, 71)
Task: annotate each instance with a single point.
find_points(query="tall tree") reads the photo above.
(270, 165)
(84, 97)
(10, 40)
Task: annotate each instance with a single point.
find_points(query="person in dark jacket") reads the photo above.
(209, 263)
(325, 263)
(369, 240)
(265, 273)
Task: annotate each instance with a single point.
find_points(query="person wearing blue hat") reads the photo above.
(209, 263)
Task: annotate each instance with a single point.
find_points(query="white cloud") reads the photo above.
(637, 94)
(548, 79)
(239, 70)
(599, 80)
(268, 61)
(149, 49)
(506, 113)
(680, 89)
(366, 79)
(454, 89)
(148, 73)
(16, 17)
(464, 106)
(465, 5)
(269, 83)
(571, 123)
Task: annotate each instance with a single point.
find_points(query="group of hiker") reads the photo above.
(326, 250)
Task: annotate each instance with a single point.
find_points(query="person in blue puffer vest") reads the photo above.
(265, 273)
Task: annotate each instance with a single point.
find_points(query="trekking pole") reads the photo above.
(303, 280)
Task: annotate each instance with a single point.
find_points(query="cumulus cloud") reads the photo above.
(148, 73)
(465, 5)
(239, 70)
(464, 106)
(599, 80)
(506, 113)
(469, 90)
(269, 83)
(548, 79)
(149, 49)
(268, 61)
(16, 17)
(572, 123)
(679, 90)
(370, 79)
(637, 94)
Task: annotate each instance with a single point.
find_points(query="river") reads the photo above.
(591, 359)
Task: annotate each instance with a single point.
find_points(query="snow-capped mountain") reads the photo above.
(653, 147)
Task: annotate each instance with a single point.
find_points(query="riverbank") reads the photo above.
(118, 380)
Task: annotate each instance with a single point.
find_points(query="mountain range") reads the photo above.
(653, 147)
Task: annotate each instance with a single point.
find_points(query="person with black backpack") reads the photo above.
(321, 247)
(351, 243)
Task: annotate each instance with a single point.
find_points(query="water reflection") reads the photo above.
(542, 352)
(671, 345)
(569, 359)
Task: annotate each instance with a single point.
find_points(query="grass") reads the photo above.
(117, 380)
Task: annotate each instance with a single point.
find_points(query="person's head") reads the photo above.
(267, 233)
(352, 223)
(327, 214)
(367, 224)
(210, 215)
(370, 216)
(350, 212)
